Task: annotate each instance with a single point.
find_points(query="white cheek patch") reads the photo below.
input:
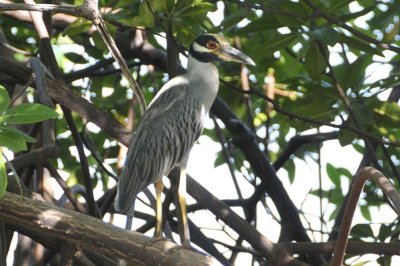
(198, 48)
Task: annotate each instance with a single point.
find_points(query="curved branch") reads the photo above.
(367, 173)
(297, 141)
(80, 230)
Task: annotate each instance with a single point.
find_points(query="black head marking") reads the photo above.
(204, 39)
(205, 57)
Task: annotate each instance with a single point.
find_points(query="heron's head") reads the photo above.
(214, 47)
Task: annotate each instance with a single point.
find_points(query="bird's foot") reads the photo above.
(153, 241)
(184, 246)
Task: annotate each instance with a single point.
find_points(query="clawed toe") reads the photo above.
(153, 241)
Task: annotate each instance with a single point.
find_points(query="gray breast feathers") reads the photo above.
(165, 135)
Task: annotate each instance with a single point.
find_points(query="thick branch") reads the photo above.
(76, 229)
(34, 157)
(70, 10)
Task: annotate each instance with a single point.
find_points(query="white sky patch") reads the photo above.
(93, 127)
(106, 91)
(243, 23)
(362, 20)
(284, 30)
(161, 40)
(218, 15)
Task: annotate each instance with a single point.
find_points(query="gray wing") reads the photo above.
(165, 135)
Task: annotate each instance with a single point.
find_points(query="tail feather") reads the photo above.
(123, 203)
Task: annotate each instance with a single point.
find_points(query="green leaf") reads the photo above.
(146, 15)
(337, 4)
(346, 137)
(365, 212)
(163, 5)
(295, 7)
(363, 114)
(219, 160)
(385, 260)
(359, 148)
(334, 213)
(3, 175)
(281, 41)
(314, 61)
(333, 174)
(265, 23)
(390, 111)
(14, 139)
(327, 36)
(353, 75)
(201, 8)
(27, 113)
(384, 232)
(359, 45)
(4, 99)
(78, 2)
(75, 58)
(291, 170)
(345, 172)
(362, 230)
(78, 26)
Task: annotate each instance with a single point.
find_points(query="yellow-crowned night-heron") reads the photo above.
(171, 125)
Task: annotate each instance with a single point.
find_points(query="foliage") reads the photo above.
(336, 68)
(12, 138)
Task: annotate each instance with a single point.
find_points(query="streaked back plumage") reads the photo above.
(164, 137)
(174, 119)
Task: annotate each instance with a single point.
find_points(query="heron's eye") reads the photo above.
(212, 45)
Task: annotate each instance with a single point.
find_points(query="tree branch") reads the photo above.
(80, 230)
(33, 157)
(367, 173)
(61, 94)
(276, 254)
(353, 247)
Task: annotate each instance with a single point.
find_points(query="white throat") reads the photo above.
(204, 80)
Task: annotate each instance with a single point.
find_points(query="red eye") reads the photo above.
(212, 45)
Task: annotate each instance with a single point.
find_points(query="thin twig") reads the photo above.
(227, 156)
(48, 138)
(22, 91)
(83, 161)
(90, 11)
(67, 191)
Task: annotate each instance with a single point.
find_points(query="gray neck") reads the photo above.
(204, 81)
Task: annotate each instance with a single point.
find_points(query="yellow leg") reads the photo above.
(183, 225)
(159, 186)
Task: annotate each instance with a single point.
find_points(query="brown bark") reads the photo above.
(72, 228)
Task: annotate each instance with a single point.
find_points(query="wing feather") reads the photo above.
(165, 135)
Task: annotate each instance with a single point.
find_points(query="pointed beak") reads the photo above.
(229, 53)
